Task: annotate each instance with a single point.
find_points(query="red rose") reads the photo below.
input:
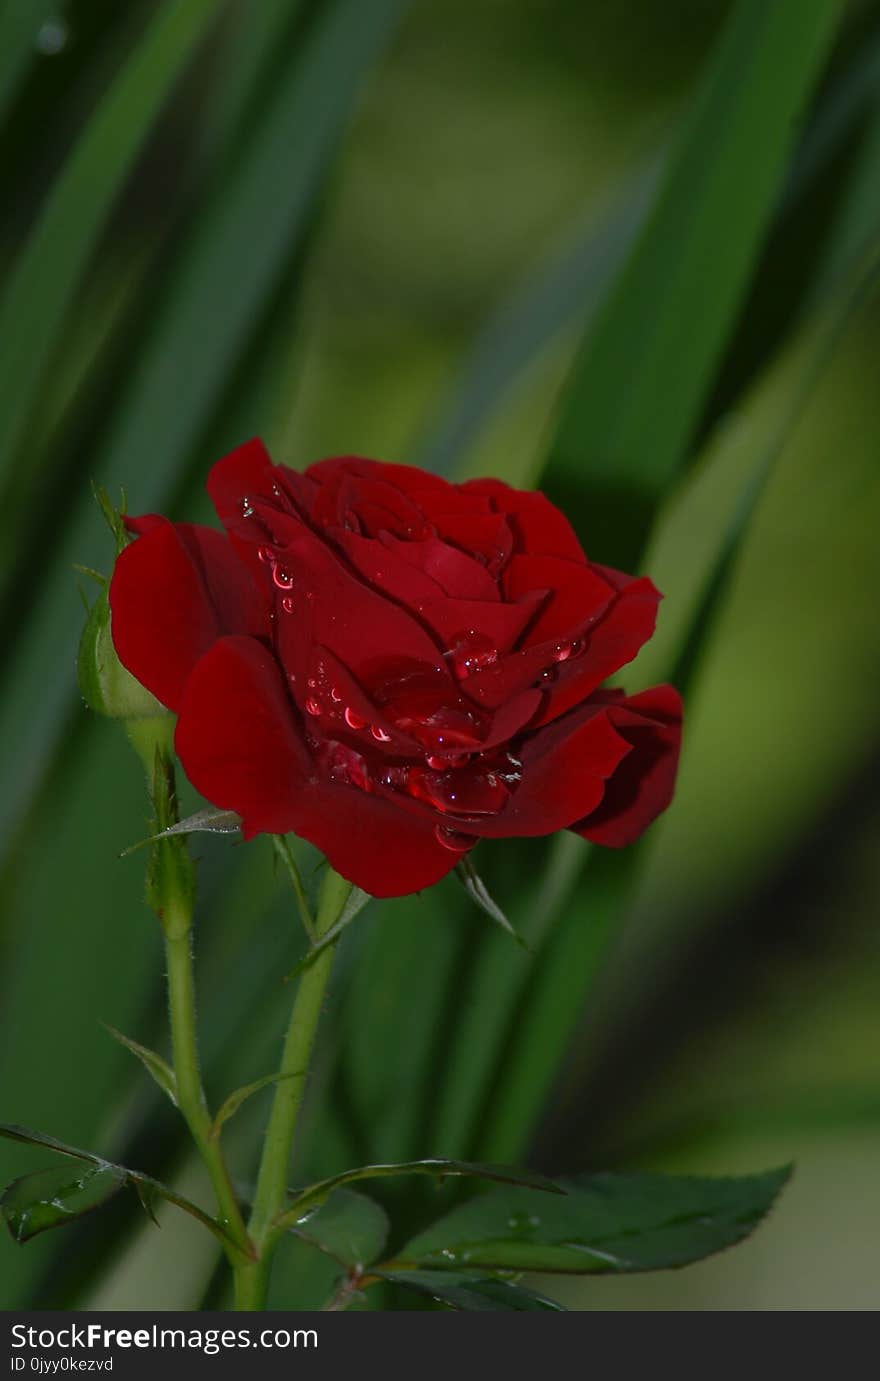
(395, 667)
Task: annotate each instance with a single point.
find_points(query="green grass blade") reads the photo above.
(224, 278)
(56, 254)
(643, 375)
(20, 24)
(572, 962)
(566, 290)
(635, 398)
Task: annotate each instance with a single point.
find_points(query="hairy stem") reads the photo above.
(252, 1279)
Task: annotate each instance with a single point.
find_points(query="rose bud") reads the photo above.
(106, 686)
(395, 667)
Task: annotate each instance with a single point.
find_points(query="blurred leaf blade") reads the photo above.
(20, 23)
(42, 286)
(643, 374)
(200, 327)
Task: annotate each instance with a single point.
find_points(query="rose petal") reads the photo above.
(612, 642)
(565, 766)
(385, 570)
(460, 576)
(331, 604)
(245, 473)
(240, 742)
(174, 592)
(240, 739)
(577, 593)
(502, 625)
(539, 527)
(644, 783)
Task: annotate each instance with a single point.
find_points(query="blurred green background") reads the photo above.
(622, 250)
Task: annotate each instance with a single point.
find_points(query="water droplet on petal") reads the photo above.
(352, 719)
(287, 604)
(283, 579)
(562, 652)
(247, 510)
(266, 555)
(313, 706)
(471, 652)
(454, 841)
(444, 764)
(335, 694)
(379, 734)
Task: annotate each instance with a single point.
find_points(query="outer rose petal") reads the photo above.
(564, 770)
(239, 738)
(614, 640)
(174, 592)
(240, 742)
(643, 785)
(578, 593)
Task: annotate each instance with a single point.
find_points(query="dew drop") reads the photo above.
(451, 839)
(283, 579)
(335, 694)
(287, 604)
(443, 764)
(379, 734)
(266, 555)
(471, 652)
(352, 719)
(519, 1222)
(313, 706)
(562, 652)
(52, 37)
(247, 508)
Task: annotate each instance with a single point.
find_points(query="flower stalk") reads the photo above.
(252, 1279)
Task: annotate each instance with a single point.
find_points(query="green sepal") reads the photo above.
(230, 1105)
(171, 882)
(357, 900)
(478, 891)
(105, 684)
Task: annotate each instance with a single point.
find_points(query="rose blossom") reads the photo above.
(395, 667)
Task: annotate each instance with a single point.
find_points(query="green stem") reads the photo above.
(252, 1279)
(190, 1093)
